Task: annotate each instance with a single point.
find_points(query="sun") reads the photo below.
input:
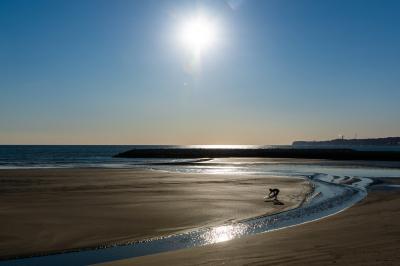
(198, 33)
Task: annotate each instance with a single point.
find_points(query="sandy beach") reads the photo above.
(50, 210)
(366, 234)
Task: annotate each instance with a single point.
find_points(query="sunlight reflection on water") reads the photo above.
(224, 233)
(220, 169)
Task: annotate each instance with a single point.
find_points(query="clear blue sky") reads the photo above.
(112, 72)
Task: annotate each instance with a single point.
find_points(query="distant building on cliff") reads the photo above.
(391, 141)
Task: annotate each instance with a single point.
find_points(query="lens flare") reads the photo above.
(199, 33)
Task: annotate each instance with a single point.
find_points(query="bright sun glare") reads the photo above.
(198, 33)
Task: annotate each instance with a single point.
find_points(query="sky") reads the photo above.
(115, 72)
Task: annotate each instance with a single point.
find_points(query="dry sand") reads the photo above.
(366, 234)
(48, 210)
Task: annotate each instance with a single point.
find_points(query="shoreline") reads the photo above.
(54, 199)
(332, 240)
(199, 237)
(170, 179)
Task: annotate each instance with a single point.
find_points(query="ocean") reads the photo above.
(71, 156)
(101, 156)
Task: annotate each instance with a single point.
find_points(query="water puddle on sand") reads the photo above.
(331, 195)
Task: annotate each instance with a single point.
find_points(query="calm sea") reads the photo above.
(52, 156)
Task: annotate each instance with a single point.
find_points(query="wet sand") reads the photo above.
(49, 210)
(366, 234)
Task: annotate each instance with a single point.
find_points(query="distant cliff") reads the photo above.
(392, 141)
